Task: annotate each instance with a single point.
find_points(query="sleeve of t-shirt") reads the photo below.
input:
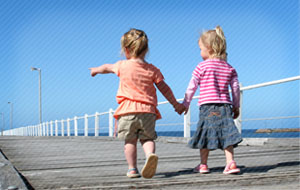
(235, 90)
(117, 67)
(190, 91)
(157, 76)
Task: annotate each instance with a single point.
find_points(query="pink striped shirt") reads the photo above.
(214, 76)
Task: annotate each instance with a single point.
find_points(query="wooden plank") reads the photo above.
(99, 163)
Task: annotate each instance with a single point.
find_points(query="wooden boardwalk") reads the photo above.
(99, 163)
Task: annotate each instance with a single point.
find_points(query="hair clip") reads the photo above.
(141, 35)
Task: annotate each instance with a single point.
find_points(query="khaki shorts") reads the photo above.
(137, 126)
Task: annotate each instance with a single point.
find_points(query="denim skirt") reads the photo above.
(215, 129)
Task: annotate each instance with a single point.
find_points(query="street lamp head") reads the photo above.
(35, 69)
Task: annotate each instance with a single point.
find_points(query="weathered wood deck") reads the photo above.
(99, 163)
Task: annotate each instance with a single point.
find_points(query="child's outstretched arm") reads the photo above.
(103, 69)
(168, 94)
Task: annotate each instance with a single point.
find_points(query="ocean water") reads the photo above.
(246, 133)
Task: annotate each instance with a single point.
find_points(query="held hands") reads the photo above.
(180, 108)
(236, 112)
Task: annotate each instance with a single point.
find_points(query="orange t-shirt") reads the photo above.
(137, 93)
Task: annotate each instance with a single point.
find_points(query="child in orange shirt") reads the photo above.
(137, 111)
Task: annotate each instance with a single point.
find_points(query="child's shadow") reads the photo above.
(244, 169)
(187, 171)
(266, 168)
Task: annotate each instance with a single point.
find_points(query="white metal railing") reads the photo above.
(51, 128)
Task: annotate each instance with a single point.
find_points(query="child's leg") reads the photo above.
(231, 167)
(147, 136)
(148, 146)
(229, 154)
(130, 151)
(203, 168)
(204, 155)
(150, 166)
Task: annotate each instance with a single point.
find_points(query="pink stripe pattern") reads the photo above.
(214, 77)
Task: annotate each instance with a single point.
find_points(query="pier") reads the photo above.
(99, 163)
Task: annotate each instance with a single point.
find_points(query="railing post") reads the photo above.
(56, 128)
(30, 131)
(187, 124)
(96, 124)
(37, 128)
(51, 128)
(86, 125)
(68, 127)
(62, 128)
(44, 129)
(111, 122)
(40, 129)
(238, 121)
(75, 126)
(47, 128)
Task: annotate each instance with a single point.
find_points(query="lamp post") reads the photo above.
(40, 90)
(11, 115)
(3, 123)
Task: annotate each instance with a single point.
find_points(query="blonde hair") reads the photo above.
(215, 41)
(136, 42)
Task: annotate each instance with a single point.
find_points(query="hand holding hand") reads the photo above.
(180, 108)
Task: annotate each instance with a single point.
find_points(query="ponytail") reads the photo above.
(220, 32)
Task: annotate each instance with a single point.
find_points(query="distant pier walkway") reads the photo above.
(99, 163)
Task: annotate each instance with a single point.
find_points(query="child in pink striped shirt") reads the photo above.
(216, 128)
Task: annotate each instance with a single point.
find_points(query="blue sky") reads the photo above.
(65, 38)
